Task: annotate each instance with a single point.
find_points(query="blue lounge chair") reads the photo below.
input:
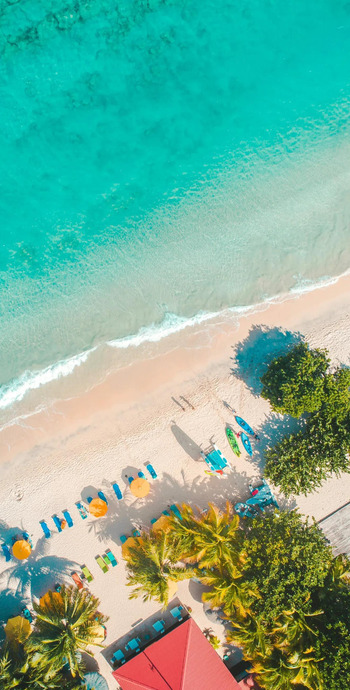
(88, 499)
(176, 511)
(57, 522)
(102, 496)
(6, 550)
(45, 529)
(118, 656)
(123, 538)
(166, 512)
(111, 557)
(141, 475)
(136, 533)
(153, 520)
(27, 614)
(27, 537)
(67, 517)
(130, 479)
(152, 471)
(82, 510)
(117, 491)
(159, 627)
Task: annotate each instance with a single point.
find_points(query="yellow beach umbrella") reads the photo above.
(132, 541)
(51, 599)
(18, 629)
(172, 589)
(140, 487)
(21, 549)
(163, 524)
(98, 507)
(98, 632)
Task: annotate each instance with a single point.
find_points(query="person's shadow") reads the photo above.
(190, 447)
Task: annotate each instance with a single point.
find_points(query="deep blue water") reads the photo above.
(164, 157)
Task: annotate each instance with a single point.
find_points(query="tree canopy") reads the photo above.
(294, 382)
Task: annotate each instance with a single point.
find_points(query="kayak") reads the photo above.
(244, 425)
(233, 441)
(246, 443)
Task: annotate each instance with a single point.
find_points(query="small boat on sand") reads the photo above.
(246, 443)
(233, 441)
(244, 425)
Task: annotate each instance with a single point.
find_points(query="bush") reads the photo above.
(294, 383)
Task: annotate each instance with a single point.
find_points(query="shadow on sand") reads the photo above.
(259, 348)
(190, 447)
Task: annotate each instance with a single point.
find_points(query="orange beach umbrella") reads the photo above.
(21, 549)
(163, 524)
(131, 541)
(51, 598)
(98, 507)
(140, 487)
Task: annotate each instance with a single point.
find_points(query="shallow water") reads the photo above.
(160, 160)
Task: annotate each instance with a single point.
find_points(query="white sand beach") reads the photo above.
(135, 416)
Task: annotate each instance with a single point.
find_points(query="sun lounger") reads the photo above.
(136, 533)
(152, 471)
(130, 479)
(154, 520)
(166, 512)
(45, 529)
(106, 560)
(77, 580)
(88, 499)
(82, 510)
(102, 496)
(176, 511)
(117, 491)
(6, 550)
(27, 537)
(111, 557)
(86, 572)
(101, 563)
(67, 517)
(27, 614)
(57, 522)
(118, 656)
(123, 538)
(141, 475)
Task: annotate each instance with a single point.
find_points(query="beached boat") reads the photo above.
(233, 441)
(242, 423)
(246, 443)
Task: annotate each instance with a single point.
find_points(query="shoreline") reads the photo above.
(173, 367)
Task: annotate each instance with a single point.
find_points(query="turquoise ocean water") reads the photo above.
(162, 159)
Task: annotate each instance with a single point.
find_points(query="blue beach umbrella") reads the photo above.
(94, 681)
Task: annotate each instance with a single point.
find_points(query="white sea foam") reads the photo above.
(30, 380)
(170, 325)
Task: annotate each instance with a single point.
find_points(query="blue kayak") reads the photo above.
(246, 443)
(244, 425)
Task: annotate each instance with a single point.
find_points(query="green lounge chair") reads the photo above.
(86, 572)
(105, 558)
(101, 563)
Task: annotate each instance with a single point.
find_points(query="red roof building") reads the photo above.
(181, 660)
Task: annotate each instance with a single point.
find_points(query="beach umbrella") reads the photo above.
(21, 549)
(163, 524)
(172, 589)
(99, 632)
(94, 681)
(131, 541)
(98, 507)
(140, 487)
(18, 629)
(51, 599)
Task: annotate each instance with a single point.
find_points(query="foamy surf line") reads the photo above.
(16, 390)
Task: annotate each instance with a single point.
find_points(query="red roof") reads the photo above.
(181, 660)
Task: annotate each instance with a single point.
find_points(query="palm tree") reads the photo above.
(210, 538)
(7, 680)
(151, 566)
(62, 628)
(294, 629)
(253, 637)
(228, 590)
(275, 672)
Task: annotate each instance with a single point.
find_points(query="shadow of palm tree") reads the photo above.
(260, 347)
(190, 447)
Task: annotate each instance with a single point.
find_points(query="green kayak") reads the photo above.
(233, 441)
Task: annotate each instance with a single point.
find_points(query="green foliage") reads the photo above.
(61, 629)
(151, 565)
(302, 461)
(294, 383)
(209, 538)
